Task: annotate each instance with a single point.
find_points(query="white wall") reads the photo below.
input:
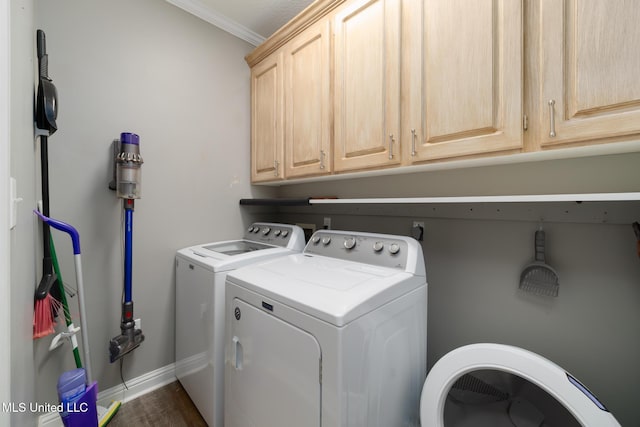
(183, 86)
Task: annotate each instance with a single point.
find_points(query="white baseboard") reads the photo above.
(136, 387)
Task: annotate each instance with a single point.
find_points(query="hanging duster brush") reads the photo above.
(46, 306)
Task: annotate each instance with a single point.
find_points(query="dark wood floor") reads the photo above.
(167, 406)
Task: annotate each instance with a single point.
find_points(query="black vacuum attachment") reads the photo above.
(130, 338)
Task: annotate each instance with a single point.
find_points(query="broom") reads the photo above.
(46, 307)
(44, 316)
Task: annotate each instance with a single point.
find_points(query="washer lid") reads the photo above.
(262, 240)
(333, 290)
(231, 254)
(578, 401)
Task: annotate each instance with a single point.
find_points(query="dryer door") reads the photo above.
(494, 385)
(272, 373)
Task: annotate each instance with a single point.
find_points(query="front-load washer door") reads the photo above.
(272, 372)
(494, 385)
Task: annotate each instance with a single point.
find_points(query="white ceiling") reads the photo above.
(250, 20)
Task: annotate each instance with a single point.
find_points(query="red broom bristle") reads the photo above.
(44, 316)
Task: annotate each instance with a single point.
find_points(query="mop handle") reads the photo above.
(63, 226)
(75, 239)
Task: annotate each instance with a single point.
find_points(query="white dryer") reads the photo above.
(200, 277)
(332, 337)
(496, 385)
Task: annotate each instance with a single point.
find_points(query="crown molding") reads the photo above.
(312, 14)
(199, 9)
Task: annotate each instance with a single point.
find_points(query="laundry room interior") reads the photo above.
(181, 82)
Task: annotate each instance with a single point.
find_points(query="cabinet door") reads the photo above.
(307, 65)
(367, 84)
(590, 58)
(465, 95)
(266, 119)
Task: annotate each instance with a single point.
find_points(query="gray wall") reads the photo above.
(474, 259)
(22, 237)
(183, 86)
(5, 169)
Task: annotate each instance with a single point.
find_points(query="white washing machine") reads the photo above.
(200, 278)
(495, 385)
(334, 336)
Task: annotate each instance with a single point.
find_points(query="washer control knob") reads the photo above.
(326, 240)
(285, 233)
(250, 229)
(394, 248)
(276, 232)
(266, 230)
(377, 246)
(256, 229)
(315, 240)
(350, 242)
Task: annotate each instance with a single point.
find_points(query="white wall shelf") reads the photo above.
(593, 208)
(535, 198)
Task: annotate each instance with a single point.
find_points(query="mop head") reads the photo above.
(109, 414)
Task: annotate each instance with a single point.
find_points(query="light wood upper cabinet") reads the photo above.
(308, 102)
(590, 63)
(267, 119)
(367, 84)
(352, 85)
(463, 74)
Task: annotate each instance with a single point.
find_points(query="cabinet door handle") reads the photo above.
(552, 120)
(275, 167)
(413, 142)
(391, 146)
(322, 156)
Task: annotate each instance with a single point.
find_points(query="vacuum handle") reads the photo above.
(43, 58)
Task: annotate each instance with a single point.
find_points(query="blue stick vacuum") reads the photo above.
(128, 163)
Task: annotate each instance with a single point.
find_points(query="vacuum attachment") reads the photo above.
(121, 345)
(47, 96)
(130, 338)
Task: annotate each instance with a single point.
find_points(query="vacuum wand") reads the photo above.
(128, 163)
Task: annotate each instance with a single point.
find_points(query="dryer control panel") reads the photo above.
(376, 249)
